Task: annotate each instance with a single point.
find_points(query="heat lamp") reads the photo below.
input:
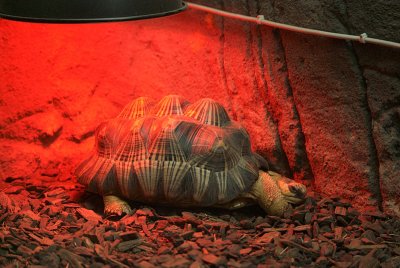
(81, 11)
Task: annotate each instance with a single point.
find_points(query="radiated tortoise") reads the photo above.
(181, 154)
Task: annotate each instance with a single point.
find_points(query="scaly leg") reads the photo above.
(113, 205)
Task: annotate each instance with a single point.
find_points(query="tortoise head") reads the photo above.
(292, 191)
(275, 193)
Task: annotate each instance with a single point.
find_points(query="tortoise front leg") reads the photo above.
(113, 205)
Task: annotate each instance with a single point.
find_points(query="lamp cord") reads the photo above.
(362, 38)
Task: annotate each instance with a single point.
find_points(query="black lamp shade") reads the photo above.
(79, 11)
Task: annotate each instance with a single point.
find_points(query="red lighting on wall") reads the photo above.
(58, 82)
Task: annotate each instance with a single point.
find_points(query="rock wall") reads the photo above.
(320, 110)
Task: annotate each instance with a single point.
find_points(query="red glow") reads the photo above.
(58, 82)
(84, 74)
(301, 99)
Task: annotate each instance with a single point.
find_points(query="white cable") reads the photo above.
(362, 38)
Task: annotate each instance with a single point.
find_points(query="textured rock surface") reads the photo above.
(319, 109)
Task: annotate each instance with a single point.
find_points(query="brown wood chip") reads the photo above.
(245, 251)
(73, 259)
(341, 211)
(214, 260)
(45, 241)
(56, 231)
(267, 237)
(31, 214)
(127, 245)
(55, 192)
(358, 247)
(89, 215)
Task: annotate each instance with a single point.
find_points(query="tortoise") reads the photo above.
(181, 154)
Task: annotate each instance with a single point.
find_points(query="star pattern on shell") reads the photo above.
(171, 152)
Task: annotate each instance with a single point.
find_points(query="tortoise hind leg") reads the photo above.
(113, 205)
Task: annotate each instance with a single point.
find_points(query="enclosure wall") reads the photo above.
(320, 110)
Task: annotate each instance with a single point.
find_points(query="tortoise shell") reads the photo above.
(171, 152)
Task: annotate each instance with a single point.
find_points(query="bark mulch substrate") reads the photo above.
(44, 223)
